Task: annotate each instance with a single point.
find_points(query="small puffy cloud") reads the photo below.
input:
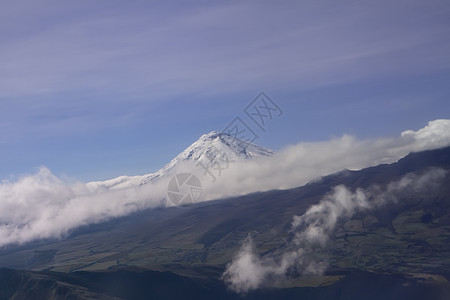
(246, 271)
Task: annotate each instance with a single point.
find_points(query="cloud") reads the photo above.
(315, 228)
(435, 135)
(298, 164)
(45, 206)
(135, 49)
(108, 64)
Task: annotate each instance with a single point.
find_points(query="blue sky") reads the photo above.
(97, 89)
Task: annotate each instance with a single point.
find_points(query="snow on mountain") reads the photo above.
(208, 148)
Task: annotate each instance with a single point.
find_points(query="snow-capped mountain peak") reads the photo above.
(222, 142)
(208, 148)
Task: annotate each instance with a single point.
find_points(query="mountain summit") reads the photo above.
(233, 147)
(208, 148)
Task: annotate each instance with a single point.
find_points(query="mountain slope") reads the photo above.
(398, 251)
(210, 233)
(208, 148)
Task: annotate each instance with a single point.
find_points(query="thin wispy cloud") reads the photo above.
(121, 49)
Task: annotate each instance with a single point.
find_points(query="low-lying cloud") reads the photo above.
(298, 164)
(316, 226)
(45, 206)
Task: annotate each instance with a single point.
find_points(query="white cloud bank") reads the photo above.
(298, 164)
(44, 206)
(314, 229)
